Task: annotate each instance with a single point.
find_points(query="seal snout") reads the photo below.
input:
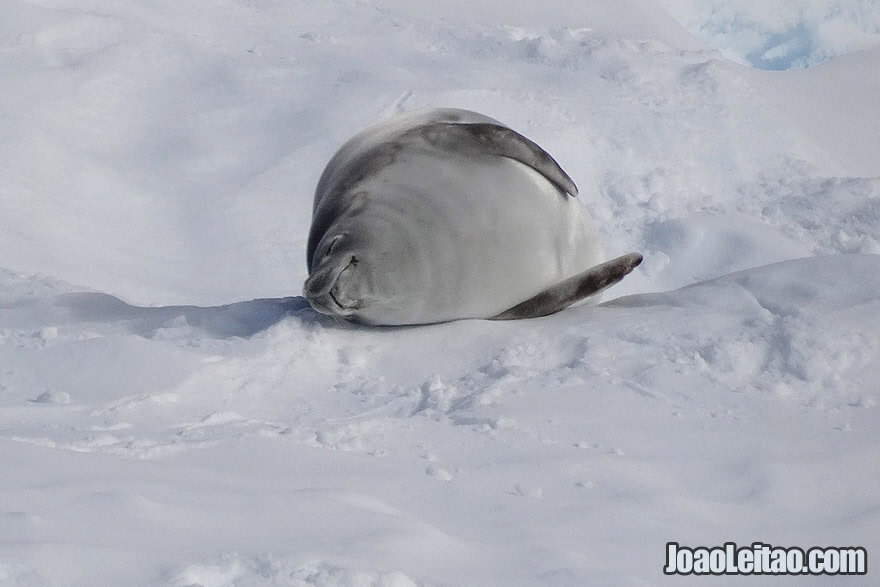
(326, 288)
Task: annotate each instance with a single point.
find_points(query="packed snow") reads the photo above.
(172, 412)
(782, 34)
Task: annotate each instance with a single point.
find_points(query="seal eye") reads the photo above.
(332, 245)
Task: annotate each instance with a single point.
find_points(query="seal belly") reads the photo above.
(493, 231)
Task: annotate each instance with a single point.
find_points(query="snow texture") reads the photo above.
(782, 34)
(173, 413)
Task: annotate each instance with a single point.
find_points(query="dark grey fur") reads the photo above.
(568, 291)
(469, 139)
(480, 139)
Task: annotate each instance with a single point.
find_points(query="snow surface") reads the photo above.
(172, 412)
(781, 34)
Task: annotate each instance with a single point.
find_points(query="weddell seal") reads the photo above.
(445, 214)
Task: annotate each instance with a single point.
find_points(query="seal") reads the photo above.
(446, 214)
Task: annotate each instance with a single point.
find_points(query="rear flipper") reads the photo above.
(573, 289)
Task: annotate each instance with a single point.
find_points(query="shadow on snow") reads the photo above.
(241, 319)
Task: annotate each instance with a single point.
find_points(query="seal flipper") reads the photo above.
(568, 291)
(483, 138)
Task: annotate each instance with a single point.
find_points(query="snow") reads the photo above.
(172, 412)
(783, 34)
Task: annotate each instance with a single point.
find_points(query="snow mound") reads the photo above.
(781, 35)
(674, 400)
(268, 570)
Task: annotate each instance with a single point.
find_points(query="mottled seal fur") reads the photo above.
(446, 214)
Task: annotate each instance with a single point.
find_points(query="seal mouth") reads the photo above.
(349, 305)
(337, 302)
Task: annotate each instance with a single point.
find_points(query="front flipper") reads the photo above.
(568, 291)
(482, 138)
